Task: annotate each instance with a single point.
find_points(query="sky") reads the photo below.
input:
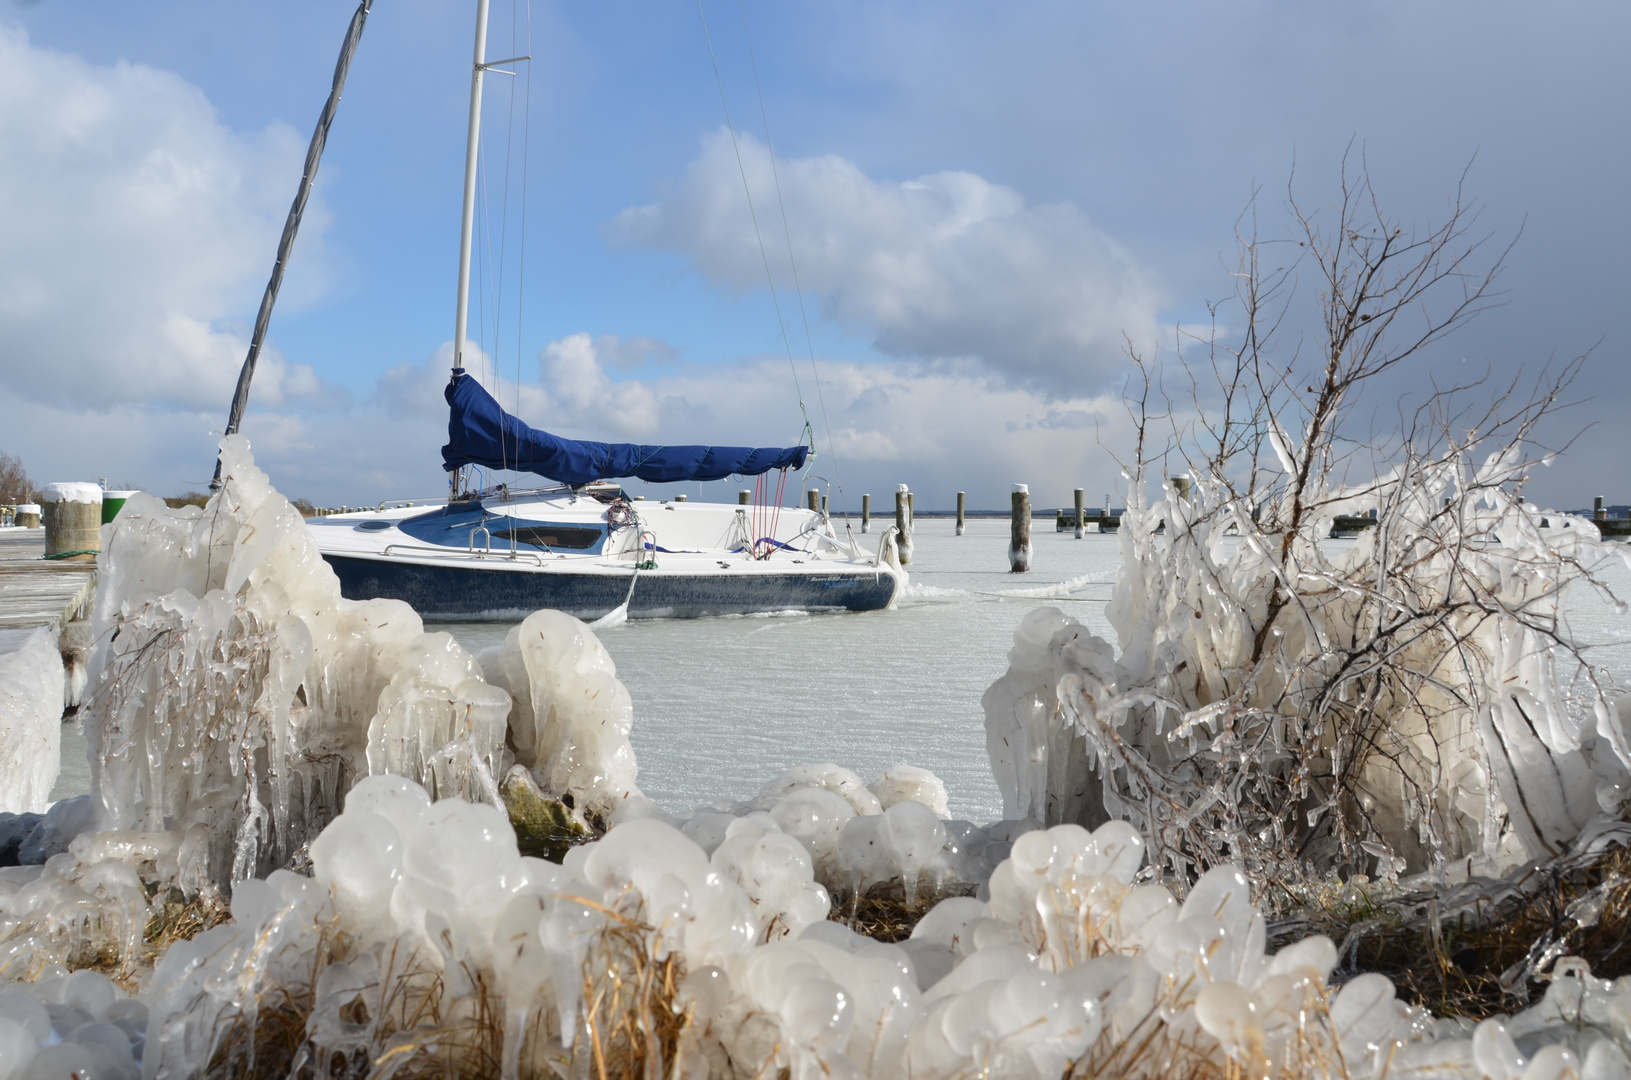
(986, 207)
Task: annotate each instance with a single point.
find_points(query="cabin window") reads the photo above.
(564, 537)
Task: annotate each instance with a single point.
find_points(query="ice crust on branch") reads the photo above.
(1414, 700)
(235, 696)
(31, 699)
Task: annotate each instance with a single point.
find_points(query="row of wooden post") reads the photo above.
(1019, 542)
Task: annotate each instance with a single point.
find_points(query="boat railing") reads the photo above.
(454, 553)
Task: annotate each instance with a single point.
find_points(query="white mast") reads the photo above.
(479, 68)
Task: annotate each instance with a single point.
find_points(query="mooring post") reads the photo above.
(1598, 513)
(743, 498)
(1019, 532)
(679, 498)
(73, 521)
(962, 506)
(866, 513)
(1180, 487)
(823, 506)
(812, 499)
(903, 523)
(1081, 513)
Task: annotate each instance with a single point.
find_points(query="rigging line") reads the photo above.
(503, 249)
(485, 239)
(798, 288)
(521, 271)
(781, 323)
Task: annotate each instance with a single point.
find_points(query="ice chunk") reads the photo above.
(571, 717)
(66, 819)
(815, 817)
(31, 700)
(834, 778)
(914, 838)
(903, 782)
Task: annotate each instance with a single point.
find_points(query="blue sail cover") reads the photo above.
(479, 432)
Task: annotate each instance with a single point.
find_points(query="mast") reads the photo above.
(466, 234)
(291, 224)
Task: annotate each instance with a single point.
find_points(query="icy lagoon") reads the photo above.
(719, 704)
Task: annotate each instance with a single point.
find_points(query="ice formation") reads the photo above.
(1409, 702)
(423, 936)
(31, 701)
(234, 695)
(238, 704)
(570, 717)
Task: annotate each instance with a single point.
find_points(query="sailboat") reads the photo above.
(580, 543)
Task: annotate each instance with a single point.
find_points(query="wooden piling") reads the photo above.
(962, 506)
(812, 499)
(1598, 511)
(823, 506)
(1081, 513)
(866, 513)
(1180, 487)
(679, 498)
(743, 498)
(903, 523)
(1019, 533)
(72, 515)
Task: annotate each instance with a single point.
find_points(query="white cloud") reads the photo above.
(135, 223)
(947, 265)
(941, 428)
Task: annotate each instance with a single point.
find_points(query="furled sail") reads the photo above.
(480, 432)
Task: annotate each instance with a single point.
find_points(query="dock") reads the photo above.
(35, 592)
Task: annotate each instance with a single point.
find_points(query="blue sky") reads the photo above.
(148, 152)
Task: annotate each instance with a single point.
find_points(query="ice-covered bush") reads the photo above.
(1413, 701)
(234, 695)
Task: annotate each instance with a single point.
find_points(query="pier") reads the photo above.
(35, 592)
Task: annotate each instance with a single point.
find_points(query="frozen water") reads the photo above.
(721, 704)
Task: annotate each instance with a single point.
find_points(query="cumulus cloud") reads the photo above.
(946, 265)
(136, 223)
(941, 428)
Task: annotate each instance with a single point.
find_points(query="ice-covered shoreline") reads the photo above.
(246, 720)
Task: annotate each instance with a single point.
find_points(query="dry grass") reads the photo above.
(1155, 1049)
(630, 1030)
(1481, 949)
(633, 1022)
(882, 913)
(181, 918)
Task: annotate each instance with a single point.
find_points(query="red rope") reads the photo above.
(766, 518)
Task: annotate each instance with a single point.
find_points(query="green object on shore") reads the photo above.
(112, 502)
(545, 828)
